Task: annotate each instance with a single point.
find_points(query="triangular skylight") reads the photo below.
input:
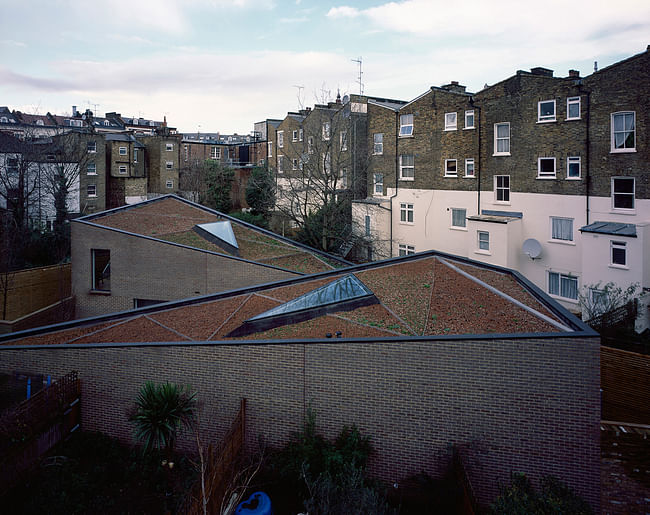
(343, 294)
(219, 233)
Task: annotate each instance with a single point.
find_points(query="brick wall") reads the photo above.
(88, 204)
(529, 405)
(148, 269)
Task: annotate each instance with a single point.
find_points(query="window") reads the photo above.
(269, 149)
(169, 184)
(598, 299)
(310, 144)
(450, 121)
(106, 123)
(91, 190)
(343, 136)
(4, 119)
(215, 153)
(122, 169)
(458, 217)
(300, 134)
(623, 192)
(502, 139)
(406, 213)
(563, 285)
(406, 250)
(623, 132)
(546, 167)
(327, 162)
(280, 139)
(344, 178)
(406, 167)
(619, 253)
(561, 228)
(378, 143)
(406, 125)
(546, 111)
(135, 155)
(294, 135)
(450, 168)
(573, 108)
(469, 168)
(294, 164)
(169, 147)
(91, 168)
(367, 225)
(92, 146)
(101, 269)
(469, 119)
(169, 165)
(502, 188)
(573, 167)
(483, 240)
(12, 165)
(75, 123)
(122, 151)
(280, 164)
(378, 184)
(40, 122)
(326, 131)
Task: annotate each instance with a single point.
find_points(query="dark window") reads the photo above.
(101, 269)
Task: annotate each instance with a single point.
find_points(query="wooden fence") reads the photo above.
(623, 315)
(222, 468)
(37, 424)
(625, 383)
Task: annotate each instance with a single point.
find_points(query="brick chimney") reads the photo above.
(454, 87)
(544, 72)
(574, 74)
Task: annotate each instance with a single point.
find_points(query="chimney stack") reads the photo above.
(574, 74)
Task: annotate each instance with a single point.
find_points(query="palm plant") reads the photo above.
(161, 411)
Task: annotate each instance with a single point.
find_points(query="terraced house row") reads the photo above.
(546, 175)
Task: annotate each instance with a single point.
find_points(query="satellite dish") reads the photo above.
(532, 248)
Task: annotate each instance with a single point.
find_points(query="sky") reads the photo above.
(222, 65)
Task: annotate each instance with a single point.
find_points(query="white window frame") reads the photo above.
(280, 162)
(94, 190)
(470, 168)
(557, 229)
(169, 147)
(91, 147)
(343, 140)
(344, 178)
(623, 149)
(280, 137)
(573, 160)
(310, 144)
(215, 153)
(469, 125)
(501, 188)
(498, 139)
(91, 168)
(573, 101)
(406, 250)
(451, 121)
(546, 175)
(562, 280)
(269, 149)
(378, 143)
(616, 245)
(294, 164)
(483, 241)
(326, 130)
(403, 168)
(459, 218)
(169, 183)
(122, 170)
(405, 125)
(169, 165)
(545, 118)
(294, 135)
(378, 184)
(406, 213)
(122, 151)
(448, 163)
(300, 134)
(623, 194)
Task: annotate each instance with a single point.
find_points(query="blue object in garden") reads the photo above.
(257, 504)
(29, 387)
(49, 381)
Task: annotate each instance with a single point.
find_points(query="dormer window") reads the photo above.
(39, 122)
(4, 119)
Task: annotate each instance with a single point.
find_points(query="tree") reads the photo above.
(320, 166)
(597, 299)
(260, 191)
(161, 411)
(192, 181)
(218, 180)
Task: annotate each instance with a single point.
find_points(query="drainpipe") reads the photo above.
(396, 179)
(477, 120)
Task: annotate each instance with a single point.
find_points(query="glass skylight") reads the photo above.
(222, 231)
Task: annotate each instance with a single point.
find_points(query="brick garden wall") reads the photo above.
(512, 405)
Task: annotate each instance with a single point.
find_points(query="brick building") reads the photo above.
(558, 162)
(509, 377)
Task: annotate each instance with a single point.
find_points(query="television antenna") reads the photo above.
(359, 61)
(299, 95)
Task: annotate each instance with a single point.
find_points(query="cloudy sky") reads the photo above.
(221, 65)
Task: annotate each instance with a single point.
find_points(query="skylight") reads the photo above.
(343, 294)
(220, 233)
